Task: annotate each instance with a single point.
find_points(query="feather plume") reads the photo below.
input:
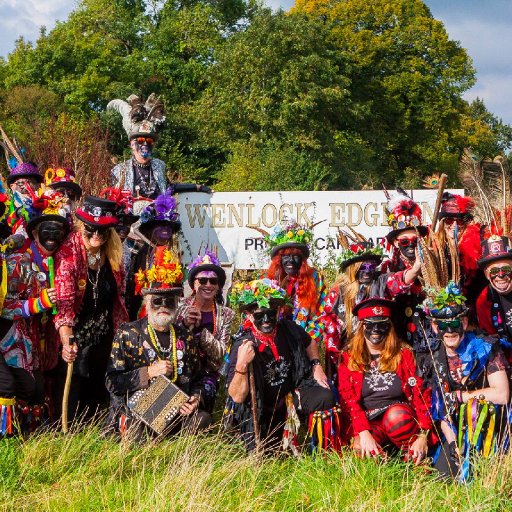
(11, 149)
(359, 237)
(260, 230)
(342, 238)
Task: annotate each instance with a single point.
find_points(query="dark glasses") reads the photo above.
(271, 314)
(205, 280)
(408, 242)
(382, 323)
(449, 221)
(163, 302)
(145, 140)
(91, 230)
(505, 271)
(454, 324)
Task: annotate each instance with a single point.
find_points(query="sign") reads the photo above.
(233, 221)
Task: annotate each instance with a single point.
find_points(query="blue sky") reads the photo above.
(482, 27)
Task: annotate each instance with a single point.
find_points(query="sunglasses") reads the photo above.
(454, 324)
(67, 193)
(205, 280)
(145, 141)
(382, 323)
(408, 242)
(505, 271)
(368, 267)
(95, 230)
(449, 221)
(271, 314)
(163, 302)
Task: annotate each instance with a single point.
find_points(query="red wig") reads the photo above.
(306, 291)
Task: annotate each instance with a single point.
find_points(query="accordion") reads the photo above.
(157, 405)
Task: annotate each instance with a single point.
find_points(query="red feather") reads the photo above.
(465, 204)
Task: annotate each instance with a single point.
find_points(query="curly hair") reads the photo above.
(307, 294)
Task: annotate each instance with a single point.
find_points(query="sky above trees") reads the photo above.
(482, 28)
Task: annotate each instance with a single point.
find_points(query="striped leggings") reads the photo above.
(396, 427)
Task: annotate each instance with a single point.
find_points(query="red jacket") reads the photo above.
(350, 386)
(483, 312)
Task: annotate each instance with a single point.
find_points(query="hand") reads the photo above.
(192, 317)
(69, 352)
(417, 262)
(245, 356)
(161, 367)
(190, 406)
(418, 449)
(367, 445)
(320, 377)
(52, 294)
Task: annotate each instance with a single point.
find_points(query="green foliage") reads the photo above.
(337, 94)
(84, 471)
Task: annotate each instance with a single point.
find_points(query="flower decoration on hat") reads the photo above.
(355, 248)
(165, 273)
(123, 199)
(208, 258)
(447, 302)
(260, 293)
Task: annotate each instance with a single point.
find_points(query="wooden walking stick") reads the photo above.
(252, 390)
(67, 387)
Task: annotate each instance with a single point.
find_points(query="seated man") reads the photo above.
(154, 346)
(275, 351)
(468, 377)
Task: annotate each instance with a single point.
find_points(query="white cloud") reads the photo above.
(25, 17)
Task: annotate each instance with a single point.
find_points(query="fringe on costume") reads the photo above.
(7, 415)
(324, 430)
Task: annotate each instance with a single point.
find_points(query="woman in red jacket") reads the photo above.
(381, 396)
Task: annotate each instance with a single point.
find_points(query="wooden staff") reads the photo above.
(65, 396)
(252, 389)
(440, 191)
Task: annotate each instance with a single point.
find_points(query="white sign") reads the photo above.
(228, 220)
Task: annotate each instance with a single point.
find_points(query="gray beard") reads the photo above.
(162, 323)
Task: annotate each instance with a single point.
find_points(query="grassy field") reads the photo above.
(84, 471)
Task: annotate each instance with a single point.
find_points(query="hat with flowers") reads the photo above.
(62, 177)
(165, 274)
(162, 211)
(289, 235)
(260, 293)
(206, 262)
(445, 303)
(403, 213)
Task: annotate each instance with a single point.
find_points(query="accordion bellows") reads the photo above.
(157, 405)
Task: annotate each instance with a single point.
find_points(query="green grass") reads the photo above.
(84, 471)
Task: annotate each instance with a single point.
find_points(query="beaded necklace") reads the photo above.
(162, 351)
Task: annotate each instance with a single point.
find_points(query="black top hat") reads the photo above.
(493, 249)
(98, 212)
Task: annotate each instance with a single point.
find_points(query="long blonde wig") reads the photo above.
(112, 248)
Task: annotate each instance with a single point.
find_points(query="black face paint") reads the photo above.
(291, 263)
(376, 332)
(265, 320)
(366, 273)
(51, 234)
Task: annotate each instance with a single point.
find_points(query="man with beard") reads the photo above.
(30, 348)
(468, 377)
(404, 267)
(283, 380)
(155, 345)
(494, 304)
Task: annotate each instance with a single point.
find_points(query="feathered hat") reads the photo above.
(164, 276)
(356, 248)
(403, 213)
(203, 263)
(162, 211)
(261, 293)
(456, 207)
(18, 166)
(140, 119)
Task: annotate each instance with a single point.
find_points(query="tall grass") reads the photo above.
(86, 471)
